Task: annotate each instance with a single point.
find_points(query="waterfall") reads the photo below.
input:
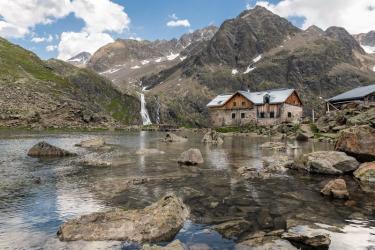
(144, 113)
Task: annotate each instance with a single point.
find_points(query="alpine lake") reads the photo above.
(38, 195)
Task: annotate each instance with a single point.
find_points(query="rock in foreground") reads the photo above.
(172, 138)
(160, 221)
(336, 189)
(366, 172)
(358, 142)
(326, 162)
(265, 243)
(191, 157)
(43, 149)
(307, 238)
(212, 137)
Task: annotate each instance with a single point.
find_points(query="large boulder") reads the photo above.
(358, 142)
(44, 149)
(307, 238)
(326, 162)
(336, 189)
(92, 143)
(233, 229)
(158, 222)
(302, 136)
(212, 137)
(191, 157)
(366, 172)
(173, 138)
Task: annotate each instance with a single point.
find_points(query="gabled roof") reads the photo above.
(257, 98)
(219, 100)
(354, 93)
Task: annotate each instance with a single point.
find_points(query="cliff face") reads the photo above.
(36, 93)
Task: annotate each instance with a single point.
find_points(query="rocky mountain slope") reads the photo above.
(259, 50)
(35, 93)
(126, 61)
(367, 40)
(80, 60)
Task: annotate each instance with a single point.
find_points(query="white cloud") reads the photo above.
(179, 23)
(51, 48)
(355, 15)
(48, 39)
(136, 38)
(101, 15)
(176, 22)
(19, 16)
(73, 43)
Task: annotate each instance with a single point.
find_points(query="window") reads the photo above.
(243, 104)
(272, 114)
(233, 115)
(234, 104)
(242, 115)
(261, 114)
(289, 114)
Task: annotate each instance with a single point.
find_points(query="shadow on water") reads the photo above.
(31, 212)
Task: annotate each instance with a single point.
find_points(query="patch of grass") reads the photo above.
(118, 110)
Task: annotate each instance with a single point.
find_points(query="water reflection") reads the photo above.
(31, 213)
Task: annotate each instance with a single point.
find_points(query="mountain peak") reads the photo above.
(314, 29)
(343, 35)
(80, 59)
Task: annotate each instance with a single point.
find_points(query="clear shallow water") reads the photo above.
(30, 213)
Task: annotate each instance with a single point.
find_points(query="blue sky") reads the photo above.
(147, 21)
(63, 28)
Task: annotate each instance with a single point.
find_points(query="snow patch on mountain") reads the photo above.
(183, 58)
(110, 71)
(249, 69)
(256, 59)
(145, 62)
(368, 49)
(234, 72)
(172, 56)
(135, 67)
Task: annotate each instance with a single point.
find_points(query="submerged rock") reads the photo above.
(191, 157)
(160, 221)
(307, 238)
(233, 229)
(212, 137)
(336, 189)
(326, 162)
(175, 245)
(170, 137)
(149, 151)
(43, 149)
(265, 243)
(366, 172)
(358, 142)
(93, 143)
